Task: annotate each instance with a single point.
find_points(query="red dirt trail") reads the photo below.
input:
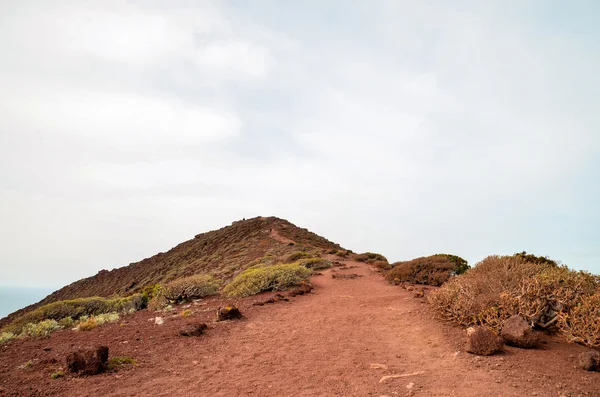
(341, 340)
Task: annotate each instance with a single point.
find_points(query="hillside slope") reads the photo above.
(223, 253)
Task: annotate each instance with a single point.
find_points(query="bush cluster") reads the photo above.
(6, 337)
(316, 263)
(431, 270)
(543, 293)
(192, 287)
(75, 309)
(43, 329)
(272, 278)
(369, 257)
(296, 256)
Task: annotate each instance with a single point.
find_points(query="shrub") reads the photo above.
(43, 329)
(272, 278)
(66, 322)
(431, 270)
(75, 308)
(107, 318)
(382, 266)
(538, 290)
(6, 337)
(150, 292)
(365, 257)
(582, 323)
(296, 256)
(185, 313)
(116, 362)
(88, 324)
(192, 287)
(56, 375)
(157, 303)
(316, 263)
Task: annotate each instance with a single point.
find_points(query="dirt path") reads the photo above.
(340, 341)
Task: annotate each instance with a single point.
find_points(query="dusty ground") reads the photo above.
(342, 340)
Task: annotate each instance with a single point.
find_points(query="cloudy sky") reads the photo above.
(407, 128)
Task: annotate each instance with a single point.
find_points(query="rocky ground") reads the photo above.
(352, 336)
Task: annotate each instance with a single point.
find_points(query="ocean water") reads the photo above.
(15, 298)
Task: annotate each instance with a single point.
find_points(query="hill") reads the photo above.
(222, 253)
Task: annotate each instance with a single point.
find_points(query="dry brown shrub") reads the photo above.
(431, 270)
(382, 266)
(541, 292)
(483, 295)
(582, 323)
(192, 287)
(372, 256)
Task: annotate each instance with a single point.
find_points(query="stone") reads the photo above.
(590, 360)
(88, 361)
(304, 288)
(159, 321)
(228, 312)
(482, 341)
(193, 330)
(517, 332)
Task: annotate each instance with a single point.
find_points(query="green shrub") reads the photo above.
(192, 287)
(115, 363)
(431, 270)
(75, 308)
(89, 323)
(157, 303)
(316, 263)
(296, 256)
(56, 375)
(6, 337)
(107, 318)
(150, 292)
(43, 329)
(272, 278)
(370, 256)
(66, 322)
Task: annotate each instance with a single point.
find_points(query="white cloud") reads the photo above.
(400, 127)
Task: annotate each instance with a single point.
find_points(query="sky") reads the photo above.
(400, 127)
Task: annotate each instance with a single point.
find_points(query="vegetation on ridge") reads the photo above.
(431, 270)
(536, 288)
(270, 278)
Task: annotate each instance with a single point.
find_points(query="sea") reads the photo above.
(15, 298)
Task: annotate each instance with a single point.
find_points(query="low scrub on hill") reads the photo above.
(296, 256)
(431, 270)
(270, 278)
(545, 294)
(192, 287)
(75, 309)
(370, 257)
(316, 263)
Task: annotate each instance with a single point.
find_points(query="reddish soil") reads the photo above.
(341, 340)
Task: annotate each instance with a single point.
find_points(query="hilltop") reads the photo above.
(222, 253)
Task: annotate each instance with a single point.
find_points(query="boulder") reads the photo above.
(590, 360)
(193, 329)
(304, 288)
(88, 361)
(482, 341)
(517, 332)
(228, 312)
